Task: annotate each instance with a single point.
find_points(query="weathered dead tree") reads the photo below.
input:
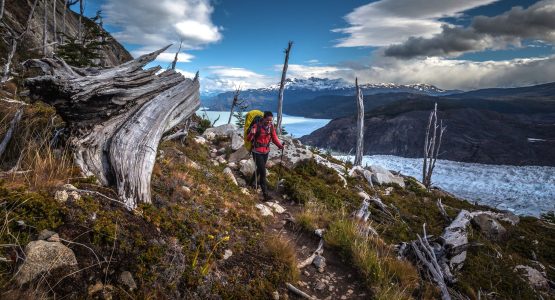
(282, 88)
(55, 31)
(234, 103)
(45, 28)
(12, 39)
(116, 116)
(360, 124)
(2, 3)
(432, 144)
(80, 27)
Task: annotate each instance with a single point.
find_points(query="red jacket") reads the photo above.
(262, 143)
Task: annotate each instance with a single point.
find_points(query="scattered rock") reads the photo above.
(221, 150)
(275, 295)
(238, 155)
(61, 196)
(241, 182)
(101, 291)
(320, 286)
(42, 256)
(54, 238)
(319, 232)
(68, 187)
(264, 210)
(213, 154)
(277, 208)
(331, 288)
(247, 167)
(221, 160)
(200, 140)
(227, 253)
(489, 227)
(127, 280)
(209, 135)
(388, 191)
(236, 142)
(535, 278)
(191, 164)
(306, 273)
(319, 262)
(73, 195)
(45, 234)
(245, 191)
(229, 174)
(382, 176)
(232, 165)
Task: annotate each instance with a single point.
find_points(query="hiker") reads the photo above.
(261, 132)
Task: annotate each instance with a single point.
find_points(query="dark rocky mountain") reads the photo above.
(474, 134)
(301, 93)
(16, 14)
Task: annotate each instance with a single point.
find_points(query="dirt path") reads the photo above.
(337, 280)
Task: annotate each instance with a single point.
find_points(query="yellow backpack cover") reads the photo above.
(249, 118)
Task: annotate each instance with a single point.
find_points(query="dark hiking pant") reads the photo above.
(260, 173)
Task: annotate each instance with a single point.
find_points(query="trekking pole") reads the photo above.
(280, 169)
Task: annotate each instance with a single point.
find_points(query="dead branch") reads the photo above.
(318, 252)
(8, 136)
(432, 144)
(298, 292)
(442, 211)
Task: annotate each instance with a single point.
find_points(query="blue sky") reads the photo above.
(450, 43)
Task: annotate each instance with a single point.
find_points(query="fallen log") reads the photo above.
(116, 116)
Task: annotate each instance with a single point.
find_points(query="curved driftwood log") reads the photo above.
(117, 116)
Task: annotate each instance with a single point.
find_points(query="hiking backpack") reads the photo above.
(252, 117)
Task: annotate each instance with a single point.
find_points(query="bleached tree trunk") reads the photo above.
(54, 32)
(2, 2)
(432, 144)
(117, 116)
(234, 103)
(8, 136)
(360, 124)
(282, 87)
(44, 28)
(80, 28)
(64, 22)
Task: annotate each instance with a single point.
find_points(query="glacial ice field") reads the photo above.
(524, 190)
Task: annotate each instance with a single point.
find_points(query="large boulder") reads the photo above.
(381, 176)
(535, 278)
(236, 141)
(222, 130)
(239, 155)
(229, 174)
(42, 256)
(489, 227)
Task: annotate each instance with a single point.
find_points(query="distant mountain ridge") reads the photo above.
(298, 90)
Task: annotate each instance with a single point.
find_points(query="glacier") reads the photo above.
(523, 190)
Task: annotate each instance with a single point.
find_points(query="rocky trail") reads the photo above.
(329, 276)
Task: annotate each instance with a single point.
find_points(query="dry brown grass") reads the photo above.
(40, 165)
(282, 253)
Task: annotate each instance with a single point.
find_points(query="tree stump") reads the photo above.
(116, 116)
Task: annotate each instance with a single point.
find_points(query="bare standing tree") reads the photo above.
(44, 28)
(360, 124)
(282, 87)
(80, 32)
(54, 32)
(432, 143)
(234, 103)
(14, 39)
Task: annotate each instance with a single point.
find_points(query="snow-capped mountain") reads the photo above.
(300, 89)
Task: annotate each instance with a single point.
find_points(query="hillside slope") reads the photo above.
(473, 135)
(16, 14)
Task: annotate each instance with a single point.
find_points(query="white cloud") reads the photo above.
(444, 73)
(154, 24)
(304, 71)
(387, 22)
(222, 78)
